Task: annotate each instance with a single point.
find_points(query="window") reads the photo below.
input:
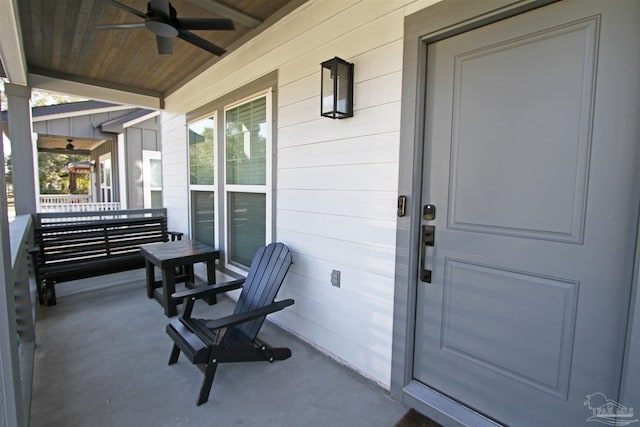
(152, 178)
(246, 146)
(106, 185)
(233, 160)
(201, 179)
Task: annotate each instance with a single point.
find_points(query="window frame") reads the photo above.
(266, 189)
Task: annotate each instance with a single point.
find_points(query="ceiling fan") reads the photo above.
(162, 20)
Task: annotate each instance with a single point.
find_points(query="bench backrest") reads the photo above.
(91, 236)
(44, 219)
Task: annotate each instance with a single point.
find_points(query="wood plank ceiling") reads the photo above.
(61, 40)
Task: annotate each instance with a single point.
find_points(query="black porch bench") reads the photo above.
(78, 245)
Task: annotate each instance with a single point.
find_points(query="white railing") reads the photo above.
(17, 345)
(74, 203)
(59, 199)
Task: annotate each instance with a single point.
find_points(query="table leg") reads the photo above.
(211, 279)
(168, 288)
(151, 280)
(191, 277)
(211, 272)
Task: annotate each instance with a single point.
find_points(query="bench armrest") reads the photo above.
(236, 319)
(175, 235)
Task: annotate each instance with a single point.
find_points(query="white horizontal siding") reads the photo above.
(374, 148)
(371, 121)
(375, 177)
(371, 204)
(336, 180)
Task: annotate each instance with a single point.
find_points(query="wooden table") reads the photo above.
(169, 257)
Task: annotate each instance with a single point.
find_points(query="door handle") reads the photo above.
(427, 237)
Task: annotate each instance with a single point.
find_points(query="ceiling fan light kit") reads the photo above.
(162, 20)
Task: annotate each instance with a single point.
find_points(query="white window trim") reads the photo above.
(147, 156)
(260, 189)
(122, 174)
(102, 187)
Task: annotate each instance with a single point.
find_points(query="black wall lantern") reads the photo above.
(337, 89)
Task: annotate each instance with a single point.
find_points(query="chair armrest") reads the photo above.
(236, 319)
(207, 291)
(175, 235)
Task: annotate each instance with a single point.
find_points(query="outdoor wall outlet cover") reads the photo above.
(335, 278)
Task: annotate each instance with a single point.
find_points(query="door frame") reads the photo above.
(439, 21)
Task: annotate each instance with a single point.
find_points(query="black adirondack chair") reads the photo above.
(207, 343)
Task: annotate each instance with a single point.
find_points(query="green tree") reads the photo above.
(8, 170)
(49, 165)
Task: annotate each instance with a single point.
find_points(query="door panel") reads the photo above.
(537, 199)
(516, 297)
(489, 87)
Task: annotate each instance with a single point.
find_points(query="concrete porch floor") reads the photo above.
(101, 360)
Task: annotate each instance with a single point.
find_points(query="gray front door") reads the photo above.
(531, 162)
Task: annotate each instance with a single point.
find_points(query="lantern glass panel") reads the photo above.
(327, 89)
(343, 88)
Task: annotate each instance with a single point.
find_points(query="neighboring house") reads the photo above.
(509, 126)
(123, 145)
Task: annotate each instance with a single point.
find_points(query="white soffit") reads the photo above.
(11, 51)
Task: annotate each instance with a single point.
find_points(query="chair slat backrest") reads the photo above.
(266, 274)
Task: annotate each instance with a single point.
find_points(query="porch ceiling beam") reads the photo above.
(11, 51)
(93, 89)
(228, 12)
(63, 151)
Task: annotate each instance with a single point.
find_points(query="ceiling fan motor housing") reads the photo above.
(160, 24)
(160, 28)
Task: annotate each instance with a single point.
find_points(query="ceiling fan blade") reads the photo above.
(120, 26)
(205, 24)
(161, 6)
(164, 45)
(201, 43)
(127, 8)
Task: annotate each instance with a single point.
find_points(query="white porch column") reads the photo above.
(22, 148)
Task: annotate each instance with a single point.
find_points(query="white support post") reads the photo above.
(22, 148)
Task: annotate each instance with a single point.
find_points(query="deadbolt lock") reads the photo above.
(429, 212)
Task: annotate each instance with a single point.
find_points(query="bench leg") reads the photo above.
(41, 292)
(50, 294)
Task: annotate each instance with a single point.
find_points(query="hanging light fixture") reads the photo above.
(70, 145)
(336, 89)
